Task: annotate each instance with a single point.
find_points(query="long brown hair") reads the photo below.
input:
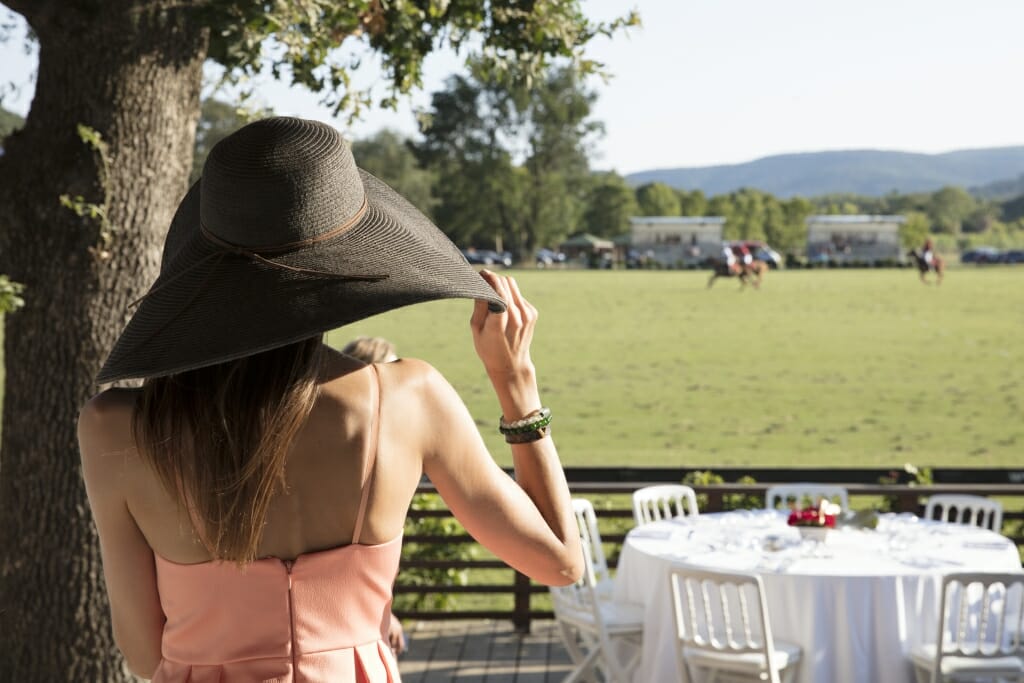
(218, 438)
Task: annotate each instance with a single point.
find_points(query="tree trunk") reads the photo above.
(131, 71)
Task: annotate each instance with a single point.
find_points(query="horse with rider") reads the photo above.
(927, 261)
(736, 260)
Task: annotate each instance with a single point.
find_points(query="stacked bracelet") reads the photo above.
(533, 427)
(528, 437)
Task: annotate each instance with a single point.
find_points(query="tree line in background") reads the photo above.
(511, 169)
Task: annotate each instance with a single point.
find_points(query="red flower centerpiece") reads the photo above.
(814, 522)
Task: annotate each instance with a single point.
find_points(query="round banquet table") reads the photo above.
(857, 603)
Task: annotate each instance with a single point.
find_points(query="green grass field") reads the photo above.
(840, 367)
(844, 367)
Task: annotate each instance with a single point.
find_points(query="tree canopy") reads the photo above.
(389, 157)
(511, 162)
(657, 199)
(610, 203)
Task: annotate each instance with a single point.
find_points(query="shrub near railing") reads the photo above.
(429, 540)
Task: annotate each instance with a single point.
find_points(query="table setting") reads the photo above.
(856, 591)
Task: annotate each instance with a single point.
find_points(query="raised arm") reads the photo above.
(527, 522)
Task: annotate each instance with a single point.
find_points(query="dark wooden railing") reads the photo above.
(860, 483)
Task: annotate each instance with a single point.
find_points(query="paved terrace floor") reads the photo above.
(482, 650)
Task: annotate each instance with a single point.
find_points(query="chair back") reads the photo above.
(784, 492)
(964, 509)
(653, 503)
(981, 617)
(722, 612)
(586, 519)
(580, 612)
(576, 603)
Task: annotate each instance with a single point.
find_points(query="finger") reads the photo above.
(527, 313)
(480, 312)
(500, 285)
(515, 313)
(497, 283)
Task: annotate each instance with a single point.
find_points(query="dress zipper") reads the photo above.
(288, 564)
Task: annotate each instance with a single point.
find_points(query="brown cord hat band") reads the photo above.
(252, 253)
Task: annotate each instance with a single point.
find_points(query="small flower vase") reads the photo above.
(813, 533)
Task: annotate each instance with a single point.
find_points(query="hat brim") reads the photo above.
(210, 306)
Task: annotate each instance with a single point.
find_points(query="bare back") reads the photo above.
(324, 473)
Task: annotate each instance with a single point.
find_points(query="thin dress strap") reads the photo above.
(371, 456)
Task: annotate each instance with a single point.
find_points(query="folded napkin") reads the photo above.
(986, 545)
(660, 534)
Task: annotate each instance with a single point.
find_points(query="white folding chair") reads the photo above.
(601, 635)
(964, 509)
(981, 621)
(652, 503)
(722, 627)
(586, 519)
(799, 492)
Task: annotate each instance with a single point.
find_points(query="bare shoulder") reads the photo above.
(104, 429)
(418, 381)
(411, 373)
(108, 410)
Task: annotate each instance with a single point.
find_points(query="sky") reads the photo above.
(707, 82)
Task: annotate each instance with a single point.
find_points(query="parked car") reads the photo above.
(549, 257)
(981, 255)
(1013, 256)
(487, 257)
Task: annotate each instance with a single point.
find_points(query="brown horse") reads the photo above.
(757, 270)
(752, 274)
(937, 264)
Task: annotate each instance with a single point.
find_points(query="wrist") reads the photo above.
(516, 391)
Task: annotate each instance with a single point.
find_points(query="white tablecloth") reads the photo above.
(857, 603)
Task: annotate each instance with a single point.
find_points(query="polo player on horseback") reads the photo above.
(729, 257)
(928, 252)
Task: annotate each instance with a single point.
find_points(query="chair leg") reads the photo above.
(695, 676)
(613, 662)
(583, 669)
(571, 645)
(921, 675)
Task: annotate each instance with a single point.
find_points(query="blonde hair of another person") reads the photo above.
(371, 350)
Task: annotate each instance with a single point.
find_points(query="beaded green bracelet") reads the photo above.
(528, 437)
(531, 423)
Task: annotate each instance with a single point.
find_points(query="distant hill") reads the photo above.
(864, 172)
(1001, 189)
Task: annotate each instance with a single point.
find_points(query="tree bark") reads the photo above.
(132, 71)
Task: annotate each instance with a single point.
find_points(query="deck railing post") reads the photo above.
(521, 604)
(907, 501)
(715, 501)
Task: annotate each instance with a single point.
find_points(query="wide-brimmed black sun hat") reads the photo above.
(283, 238)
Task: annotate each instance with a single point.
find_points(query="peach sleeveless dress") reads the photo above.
(319, 618)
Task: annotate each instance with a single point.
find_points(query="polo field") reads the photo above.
(845, 367)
